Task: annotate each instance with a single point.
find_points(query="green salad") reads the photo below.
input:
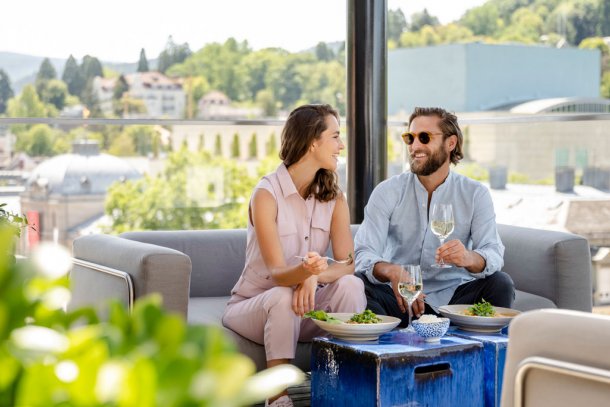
(366, 317)
(481, 309)
(322, 316)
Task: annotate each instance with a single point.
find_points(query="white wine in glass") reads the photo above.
(410, 286)
(442, 224)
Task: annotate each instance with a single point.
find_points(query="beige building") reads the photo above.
(162, 96)
(66, 193)
(535, 148)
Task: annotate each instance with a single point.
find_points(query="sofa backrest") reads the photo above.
(218, 256)
(554, 265)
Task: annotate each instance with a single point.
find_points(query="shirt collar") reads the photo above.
(446, 183)
(286, 183)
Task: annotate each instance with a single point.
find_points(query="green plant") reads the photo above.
(13, 221)
(147, 357)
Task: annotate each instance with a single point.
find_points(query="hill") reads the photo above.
(22, 68)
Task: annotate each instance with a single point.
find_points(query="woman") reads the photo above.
(296, 211)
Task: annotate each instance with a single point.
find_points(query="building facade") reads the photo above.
(67, 192)
(479, 77)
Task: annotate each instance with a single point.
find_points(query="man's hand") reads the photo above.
(454, 252)
(418, 307)
(304, 296)
(314, 264)
(391, 272)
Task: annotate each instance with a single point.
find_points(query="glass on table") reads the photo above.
(410, 285)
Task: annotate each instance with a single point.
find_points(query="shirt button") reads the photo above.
(306, 237)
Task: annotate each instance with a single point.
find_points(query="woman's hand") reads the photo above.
(314, 264)
(304, 296)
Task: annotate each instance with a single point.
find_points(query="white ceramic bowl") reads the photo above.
(431, 331)
(478, 324)
(357, 332)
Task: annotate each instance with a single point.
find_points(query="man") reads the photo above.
(396, 228)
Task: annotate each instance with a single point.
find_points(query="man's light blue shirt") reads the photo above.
(396, 230)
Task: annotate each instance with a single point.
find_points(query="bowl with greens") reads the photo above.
(364, 326)
(479, 317)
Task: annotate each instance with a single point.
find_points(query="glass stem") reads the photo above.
(410, 313)
(441, 262)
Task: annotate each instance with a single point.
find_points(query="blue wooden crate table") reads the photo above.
(494, 357)
(398, 369)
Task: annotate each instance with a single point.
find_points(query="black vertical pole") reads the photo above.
(366, 101)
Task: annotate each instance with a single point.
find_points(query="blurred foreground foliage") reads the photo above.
(146, 357)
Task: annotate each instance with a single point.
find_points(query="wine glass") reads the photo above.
(410, 285)
(441, 223)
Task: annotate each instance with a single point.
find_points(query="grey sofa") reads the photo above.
(194, 272)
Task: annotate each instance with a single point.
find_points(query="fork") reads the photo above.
(346, 261)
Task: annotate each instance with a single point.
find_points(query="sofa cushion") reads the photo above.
(527, 302)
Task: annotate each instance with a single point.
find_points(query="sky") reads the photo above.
(116, 30)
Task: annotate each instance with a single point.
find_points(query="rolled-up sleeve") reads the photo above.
(371, 238)
(484, 233)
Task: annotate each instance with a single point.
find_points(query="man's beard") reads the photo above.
(433, 163)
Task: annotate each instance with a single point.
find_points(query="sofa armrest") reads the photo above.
(105, 264)
(554, 265)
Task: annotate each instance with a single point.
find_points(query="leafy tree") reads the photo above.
(483, 20)
(37, 141)
(46, 71)
(603, 28)
(128, 105)
(396, 24)
(235, 150)
(72, 77)
(421, 19)
(220, 65)
(27, 104)
(454, 33)
(253, 147)
(584, 18)
(91, 67)
(122, 145)
(425, 37)
(196, 87)
(595, 43)
(325, 83)
(323, 52)
(605, 85)
(257, 66)
(272, 145)
(143, 62)
(172, 54)
(526, 27)
(218, 145)
(6, 92)
(201, 144)
(90, 99)
(170, 200)
(120, 88)
(56, 93)
(264, 99)
(142, 138)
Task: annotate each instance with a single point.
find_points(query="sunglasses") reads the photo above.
(424, 137)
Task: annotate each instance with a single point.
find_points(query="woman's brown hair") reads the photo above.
(304, 125)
